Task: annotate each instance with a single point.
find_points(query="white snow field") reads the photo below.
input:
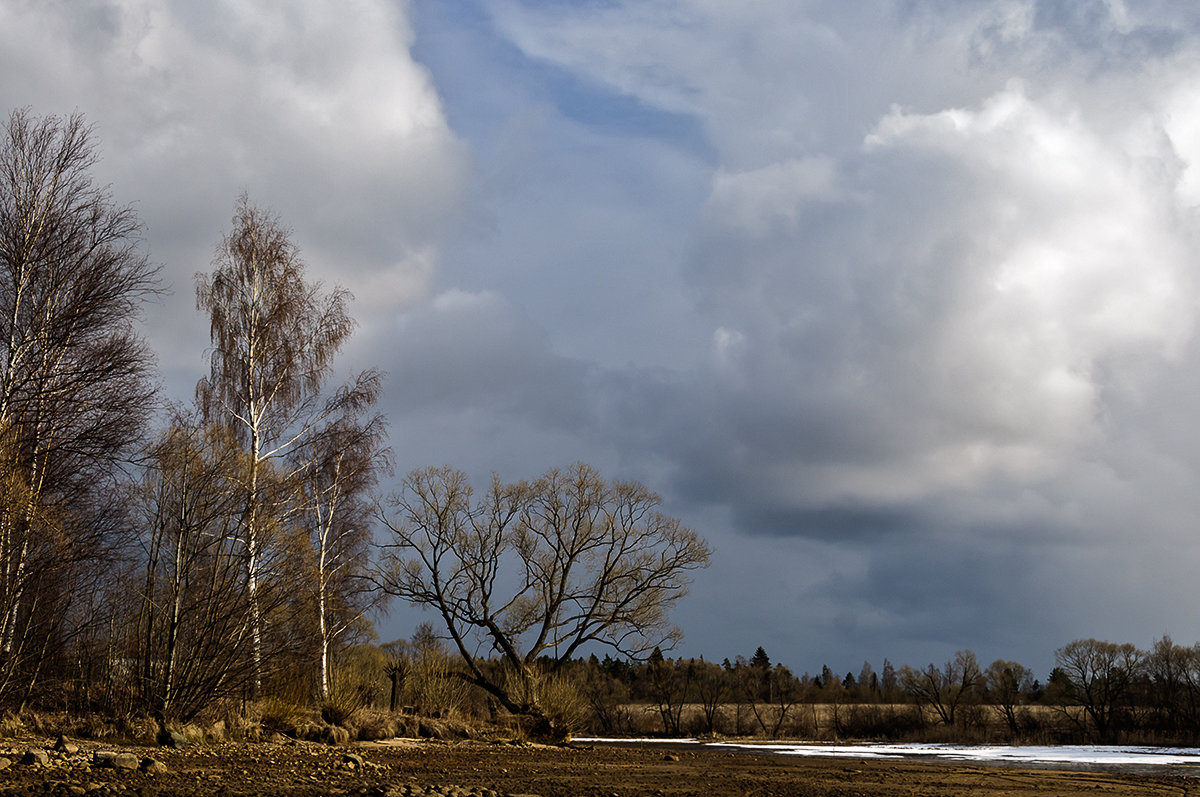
(1066, 754)
(1100, 756)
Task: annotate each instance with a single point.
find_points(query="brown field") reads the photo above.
(405, 767)
(230, 760)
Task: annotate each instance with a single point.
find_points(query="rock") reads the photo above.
(5, 763)
(353, 760)
(670, 757)
(126, 761)
(36, 757)
(152, 767)
(172, 739)
(114, 760)
(66, 747)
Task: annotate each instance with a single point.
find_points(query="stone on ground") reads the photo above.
(36, 757)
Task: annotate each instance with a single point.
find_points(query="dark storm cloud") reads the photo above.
(943, 249)
(473, 351)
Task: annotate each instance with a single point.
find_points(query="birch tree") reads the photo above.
(274, 337)
(75, 377)
(338, 469)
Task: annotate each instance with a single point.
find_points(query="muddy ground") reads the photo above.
(494, 769)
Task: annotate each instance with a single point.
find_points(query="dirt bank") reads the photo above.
(410, 767)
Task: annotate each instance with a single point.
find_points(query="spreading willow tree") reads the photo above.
(75, 383)
(274, 338)
(529, 573)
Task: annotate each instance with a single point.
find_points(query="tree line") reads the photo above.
(1098, 691)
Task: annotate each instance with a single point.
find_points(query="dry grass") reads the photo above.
(280, 714)
(804, 721)
(867, 721)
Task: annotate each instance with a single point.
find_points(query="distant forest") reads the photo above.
(1098, 692)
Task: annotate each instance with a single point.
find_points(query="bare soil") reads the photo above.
(404, 767)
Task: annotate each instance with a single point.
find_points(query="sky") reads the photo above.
(894, 302)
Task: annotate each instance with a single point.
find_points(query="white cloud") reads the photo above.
(757, 199)
(318, 111)
(968, 287)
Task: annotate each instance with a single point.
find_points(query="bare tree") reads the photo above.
(770, 692)
(777, 692)
(1174, 674)
(75, 386)
(338, 469)
(944, 689)
(194, 629)
(1006, 683)
(868, 683)
(531, 572)
(274, 337)
(712, 689)
(1099, 677)
(670, 685)
(607, 696)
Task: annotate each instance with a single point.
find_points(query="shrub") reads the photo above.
(345, 701)
(881, 722)
(11, 725)
(370, 725)
(562, 703)
(280, 714)
(431, 686)
(193, 734)
(335, 735)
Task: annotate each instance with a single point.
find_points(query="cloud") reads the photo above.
(474, 350)
(319, 113)
(941, 307)
(944, 291)
(944, 315)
